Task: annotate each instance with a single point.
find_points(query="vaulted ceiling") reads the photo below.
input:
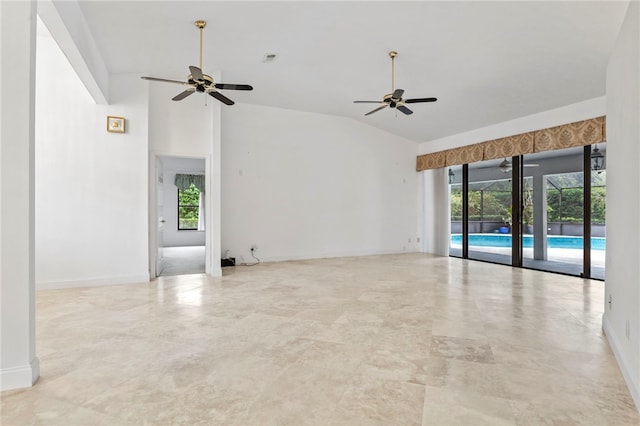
(486, 62)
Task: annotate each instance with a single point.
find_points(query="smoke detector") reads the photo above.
(269, 57)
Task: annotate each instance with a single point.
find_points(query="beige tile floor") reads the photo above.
(381, 340)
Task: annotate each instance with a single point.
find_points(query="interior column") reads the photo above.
(19, 365)
(539, 217)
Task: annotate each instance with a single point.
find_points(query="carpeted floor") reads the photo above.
(182, 261)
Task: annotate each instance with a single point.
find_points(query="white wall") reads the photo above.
(187, 129)
(437, 222)
(554, 117)
(304, 185)
(622, 320)
(91, 185)
(19, 365)
(171, 166)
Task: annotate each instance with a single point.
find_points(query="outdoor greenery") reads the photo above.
(188, 206)
(491, 202)
(565, 205)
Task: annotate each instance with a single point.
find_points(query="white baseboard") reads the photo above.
(327, 255)
(614, 343)
(93, 282)
(20, 377)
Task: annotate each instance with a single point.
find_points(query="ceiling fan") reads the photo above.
(394, 99)
(200, 82)
(506, 165)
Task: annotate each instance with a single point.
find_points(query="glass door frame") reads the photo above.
(517, 179)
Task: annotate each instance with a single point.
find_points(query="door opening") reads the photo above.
(179, 217)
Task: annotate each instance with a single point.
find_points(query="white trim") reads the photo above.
(20, 377)
(614, 343)
(212, 267)
(93, 282)
(327, 255)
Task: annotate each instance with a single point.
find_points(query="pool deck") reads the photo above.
(562, 260)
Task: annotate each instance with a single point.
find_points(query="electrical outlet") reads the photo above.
(417, 239)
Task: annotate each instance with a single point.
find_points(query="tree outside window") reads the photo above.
(188, 207)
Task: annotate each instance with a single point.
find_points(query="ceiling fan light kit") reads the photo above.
(200, 82)
(394, 99)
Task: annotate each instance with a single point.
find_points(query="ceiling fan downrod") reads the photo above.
(200, 24)
(393, 55)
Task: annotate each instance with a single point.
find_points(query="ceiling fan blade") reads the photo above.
(397, 94)
(222, 98)
(404, 109)
(181, 96)
(367, 102)
(227, 86)
(377, 109)
(164, 80)
(416, 100)
(196, 73)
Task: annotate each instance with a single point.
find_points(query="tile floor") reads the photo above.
(183, 260)
(380, 340)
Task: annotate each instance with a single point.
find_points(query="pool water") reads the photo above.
(553, 241)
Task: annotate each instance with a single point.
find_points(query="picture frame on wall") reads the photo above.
(115, 124)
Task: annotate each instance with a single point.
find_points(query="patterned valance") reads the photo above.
(432, 161)
(184, 181)
(580, 133)
(510, 146)
(465, 154)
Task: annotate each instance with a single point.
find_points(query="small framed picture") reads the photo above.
(115, 124)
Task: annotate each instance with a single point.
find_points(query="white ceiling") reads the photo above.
(486, 62)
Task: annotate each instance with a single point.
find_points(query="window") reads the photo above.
(188, 207)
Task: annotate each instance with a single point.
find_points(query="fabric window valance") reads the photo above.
(580, 133)
(465, 154)
(510, 146)
(184, 181)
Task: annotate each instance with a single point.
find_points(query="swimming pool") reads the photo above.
(504, 240)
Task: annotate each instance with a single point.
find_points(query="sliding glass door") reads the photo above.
(455, 203)
(490, 213)
(598, 228)
(533, 211)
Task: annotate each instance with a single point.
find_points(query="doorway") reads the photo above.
(179, 246)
